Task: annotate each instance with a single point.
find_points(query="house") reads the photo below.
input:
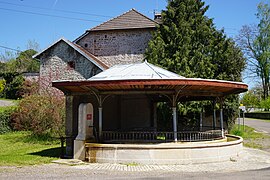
(121, 40)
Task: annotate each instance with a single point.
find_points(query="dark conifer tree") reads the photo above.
(188, 43)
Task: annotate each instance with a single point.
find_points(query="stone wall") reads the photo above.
(62, 62)
(117, 47)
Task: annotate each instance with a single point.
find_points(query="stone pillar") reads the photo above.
(85, 129)
(69, 126)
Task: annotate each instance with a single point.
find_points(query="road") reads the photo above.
(6, 103)
(69, 172)
(260, 125)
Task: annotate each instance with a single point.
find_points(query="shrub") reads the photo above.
(13, 85)
(2, 85)
(42, 115)
(265, 103)
(5, 114)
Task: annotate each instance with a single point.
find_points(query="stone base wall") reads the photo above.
(165, 153)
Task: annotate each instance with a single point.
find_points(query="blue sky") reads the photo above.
(24, 20)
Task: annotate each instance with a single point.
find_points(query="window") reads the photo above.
(71, 65)
(86, 45)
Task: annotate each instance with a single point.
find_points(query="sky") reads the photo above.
(45, 21)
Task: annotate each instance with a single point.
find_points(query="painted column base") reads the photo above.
(79, 149)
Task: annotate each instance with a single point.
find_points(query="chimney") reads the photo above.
(158, 17)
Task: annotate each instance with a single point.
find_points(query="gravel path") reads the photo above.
(6, 103)
(251, 164)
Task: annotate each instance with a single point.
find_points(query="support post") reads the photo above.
(100, 122)
(174, 100)
(214, 115)
(69, 126)
(201, 119)
(174, 124)
(221, 118)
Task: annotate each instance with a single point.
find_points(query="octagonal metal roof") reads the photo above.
(143, 70)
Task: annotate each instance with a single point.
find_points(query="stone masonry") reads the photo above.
(62, 62)
(117, 47)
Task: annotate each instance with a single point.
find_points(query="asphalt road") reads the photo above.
(6, 103)
(260, 125)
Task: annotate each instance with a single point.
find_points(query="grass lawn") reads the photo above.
(251, 138)
(19, 148)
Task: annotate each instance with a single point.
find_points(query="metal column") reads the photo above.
(214, 115)
(174, 102)
(174, 124)
(221, 118)
(100, 122)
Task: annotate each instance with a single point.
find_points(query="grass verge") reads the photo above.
(252, 138)
(20, 148)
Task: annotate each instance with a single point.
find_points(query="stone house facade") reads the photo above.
(121, 40)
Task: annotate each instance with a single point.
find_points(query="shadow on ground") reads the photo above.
(52, 152)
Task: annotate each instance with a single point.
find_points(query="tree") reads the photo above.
(254, 40)
(188, 43)
(25, 62)
(250, 100)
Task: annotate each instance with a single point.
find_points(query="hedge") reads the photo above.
(258, 115)
(5, 123)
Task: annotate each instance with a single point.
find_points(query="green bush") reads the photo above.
(2, 85)
(42, 115)
(5, 122)
(265, 103)
(14, 85)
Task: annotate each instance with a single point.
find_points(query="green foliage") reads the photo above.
(23, 63)
(14, 84)
(2, 85)
(14, 87)
(250, 100)
(254, 40)
(20, 148)
(164, 114)
(265, 104)
(246, 132)
(5, 114)
(188, 43)
(42, 115)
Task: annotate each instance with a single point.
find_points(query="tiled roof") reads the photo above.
(129, 20)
